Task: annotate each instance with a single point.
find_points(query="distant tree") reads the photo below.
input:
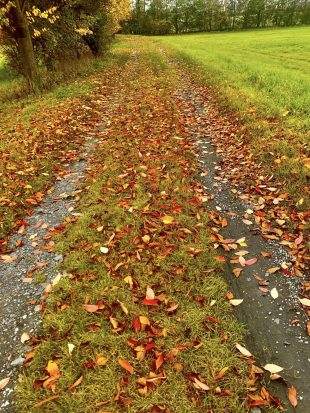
(182, 16)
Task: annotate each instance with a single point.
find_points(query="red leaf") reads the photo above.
(136, 324)
(251, 261)
(146, 301)
(159, 361)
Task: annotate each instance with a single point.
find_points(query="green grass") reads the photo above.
(263, 75)
(133, 168)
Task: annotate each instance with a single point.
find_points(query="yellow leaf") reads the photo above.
(101, 360)
(167, 219)
(52, 369)
(144, 320)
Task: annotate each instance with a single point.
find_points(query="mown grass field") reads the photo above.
(263, 75)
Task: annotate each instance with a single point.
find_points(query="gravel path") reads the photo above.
(275, 326)
(20, 289)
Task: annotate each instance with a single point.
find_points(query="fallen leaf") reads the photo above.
(237, 271)
(236, 302)
(104, 250)
(25, 337)
(250, 261)
(274, 293)
(76, 383)
(125, 365)
(167, 219)
(243, 350)
(101, 360)
(146, 239)
(292, 396)
(200, 385)
(305, 301)
(221, 373)
(4, 382)
(8, 259)
(52, 369)
(123, 307)
(159, 361)
(91, 308)
(272, 270)
(150, 295)
(273, 368)
(128, 280)
(71, 348)
(144, 320)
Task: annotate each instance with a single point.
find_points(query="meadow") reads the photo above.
(263, 76)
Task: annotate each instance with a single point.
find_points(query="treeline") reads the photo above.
(184, 16)
(38, 34)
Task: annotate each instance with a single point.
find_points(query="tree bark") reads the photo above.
(24, 42)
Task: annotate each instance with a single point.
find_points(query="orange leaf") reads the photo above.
(91, 308)
(52, 369)
(292, 396)
(127, 366)
(159, 361)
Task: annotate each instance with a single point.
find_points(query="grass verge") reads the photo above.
(139, 322)
(262, 76)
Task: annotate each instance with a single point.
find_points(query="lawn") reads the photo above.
(263, 75)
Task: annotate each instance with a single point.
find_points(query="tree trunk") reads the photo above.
(25, 46)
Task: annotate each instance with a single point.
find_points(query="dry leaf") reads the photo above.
(25, 337)
(52, 369)
(104, 250)
(305, 301)
(4, 382)
(274, 293)
(127, 366)
(150, 295)
(101, 360)
(243, 350)
(8, 259)
(71, 348)
(237, 271)
(200, 385)
(236, 302)
(91, 308)
(292, 396)
(167, 219)
(273, 368)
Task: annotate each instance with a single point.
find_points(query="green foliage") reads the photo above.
(59, 30)
(183, 16)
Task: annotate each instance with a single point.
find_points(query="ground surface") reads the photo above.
(139, 318)
(264, 76)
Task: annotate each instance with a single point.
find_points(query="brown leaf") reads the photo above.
(91, 308)
(76, 383)
(292, 396)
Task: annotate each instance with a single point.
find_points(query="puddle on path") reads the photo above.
(272, 334)
(17, 315)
